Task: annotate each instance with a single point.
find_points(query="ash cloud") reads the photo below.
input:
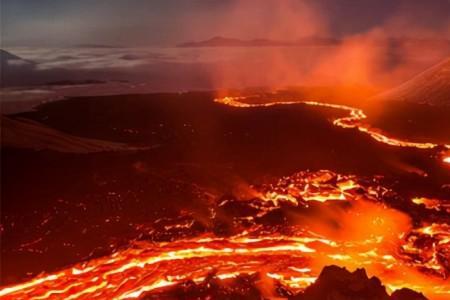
(381, 56)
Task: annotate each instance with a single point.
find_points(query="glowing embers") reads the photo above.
(428, 248)
(361, 233)
(434, 204)
(302, 187)
(445, 154)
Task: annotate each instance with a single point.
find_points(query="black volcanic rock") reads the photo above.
(242, 288)
(336, 283)
(407, 294)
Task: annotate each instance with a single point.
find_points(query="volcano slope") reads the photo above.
(232, 194)
(431, 87)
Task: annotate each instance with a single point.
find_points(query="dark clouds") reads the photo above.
(166, 22)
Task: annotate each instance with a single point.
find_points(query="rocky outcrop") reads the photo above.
(336, 283)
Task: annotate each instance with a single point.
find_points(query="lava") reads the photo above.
(308, 188)
(435, 204)
(370, 235)
(446, 159)
(356, 228)
(354, 120)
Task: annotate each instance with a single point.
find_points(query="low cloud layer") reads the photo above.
(368, 60)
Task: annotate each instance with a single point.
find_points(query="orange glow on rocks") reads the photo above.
(369, 235)
(352, 226)
(354, 120)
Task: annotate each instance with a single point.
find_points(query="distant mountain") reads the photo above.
(431, 86)
(219, 41)
(103, 46)
(14, 68)
(5, 55)
(76, 82)
(231, 42)
(9, 59)
(316, 41)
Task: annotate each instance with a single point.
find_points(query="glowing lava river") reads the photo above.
(328, 219)
(354, 120)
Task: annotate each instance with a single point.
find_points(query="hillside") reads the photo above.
(431, 86)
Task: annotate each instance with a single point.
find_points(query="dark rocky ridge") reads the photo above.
(334, 283)
(232, 42)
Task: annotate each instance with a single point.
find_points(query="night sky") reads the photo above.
(167, 22)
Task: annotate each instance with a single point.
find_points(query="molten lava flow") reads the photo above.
(435, 204)
(446, 159)
(301, 187)
(369, 235)
(354, 120)
(327, 218)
